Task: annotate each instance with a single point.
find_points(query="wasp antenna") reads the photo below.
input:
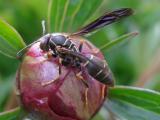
(23, 50)
(43, 27)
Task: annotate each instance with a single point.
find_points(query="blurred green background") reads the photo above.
(134, 63)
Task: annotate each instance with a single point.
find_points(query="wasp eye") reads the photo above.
(44, 44)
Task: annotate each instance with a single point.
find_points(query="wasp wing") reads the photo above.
(104, 20)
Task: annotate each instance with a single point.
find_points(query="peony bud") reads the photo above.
(58, 96)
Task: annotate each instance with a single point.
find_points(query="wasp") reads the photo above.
(70, 54)
(96, 67)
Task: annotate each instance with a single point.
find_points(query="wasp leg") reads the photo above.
(103, 88)
(60, 66)
(80, 77)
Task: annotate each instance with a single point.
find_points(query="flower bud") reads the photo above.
(55, 96)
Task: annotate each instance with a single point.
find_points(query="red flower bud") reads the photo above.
(58, 97)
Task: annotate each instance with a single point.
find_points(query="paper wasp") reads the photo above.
(64, 48)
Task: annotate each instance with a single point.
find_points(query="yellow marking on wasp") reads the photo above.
(86, 63)
(99, 72)
(52, 42)
(70, 45)
(106, 75)
(65, 42)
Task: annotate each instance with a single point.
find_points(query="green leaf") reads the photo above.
(118, 40)
(10, 41)
(11, 115)
(132, 103)
(69, 15)
(98, 117)
(5, 88)
(126, 111)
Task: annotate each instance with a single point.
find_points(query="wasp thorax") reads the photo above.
(58, 39)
